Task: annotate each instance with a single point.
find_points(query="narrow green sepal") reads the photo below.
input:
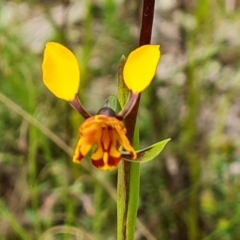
(147, 154)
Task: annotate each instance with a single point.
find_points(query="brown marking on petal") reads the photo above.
(113, 161)
(106, 167)
(98, 163)
(77, 158)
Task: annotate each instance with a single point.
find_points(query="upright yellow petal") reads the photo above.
(61, 72)
(140, 67)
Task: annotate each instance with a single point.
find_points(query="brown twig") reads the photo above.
(145, 38)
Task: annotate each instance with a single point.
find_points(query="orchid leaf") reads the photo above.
(146, 154)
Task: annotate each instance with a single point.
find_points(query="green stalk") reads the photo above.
(121, 203)
(134, 187)
(122, 184)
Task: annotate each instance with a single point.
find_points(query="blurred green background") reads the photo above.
(192, 190)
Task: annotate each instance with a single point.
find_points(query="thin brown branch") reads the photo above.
(147, 22)
(145, 38)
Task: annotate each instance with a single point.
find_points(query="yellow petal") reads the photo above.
(61, 72)
(140, 67)
(81, 150)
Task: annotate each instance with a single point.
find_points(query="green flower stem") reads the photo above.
(134, 187)
(128, 195)
(128, 179)
(121, 203)
(129, 173)
(122, 185)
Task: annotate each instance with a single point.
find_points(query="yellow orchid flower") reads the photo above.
(61, 75)
(107, 133)
(61, 72)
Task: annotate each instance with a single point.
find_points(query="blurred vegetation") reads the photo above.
(191, 191)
